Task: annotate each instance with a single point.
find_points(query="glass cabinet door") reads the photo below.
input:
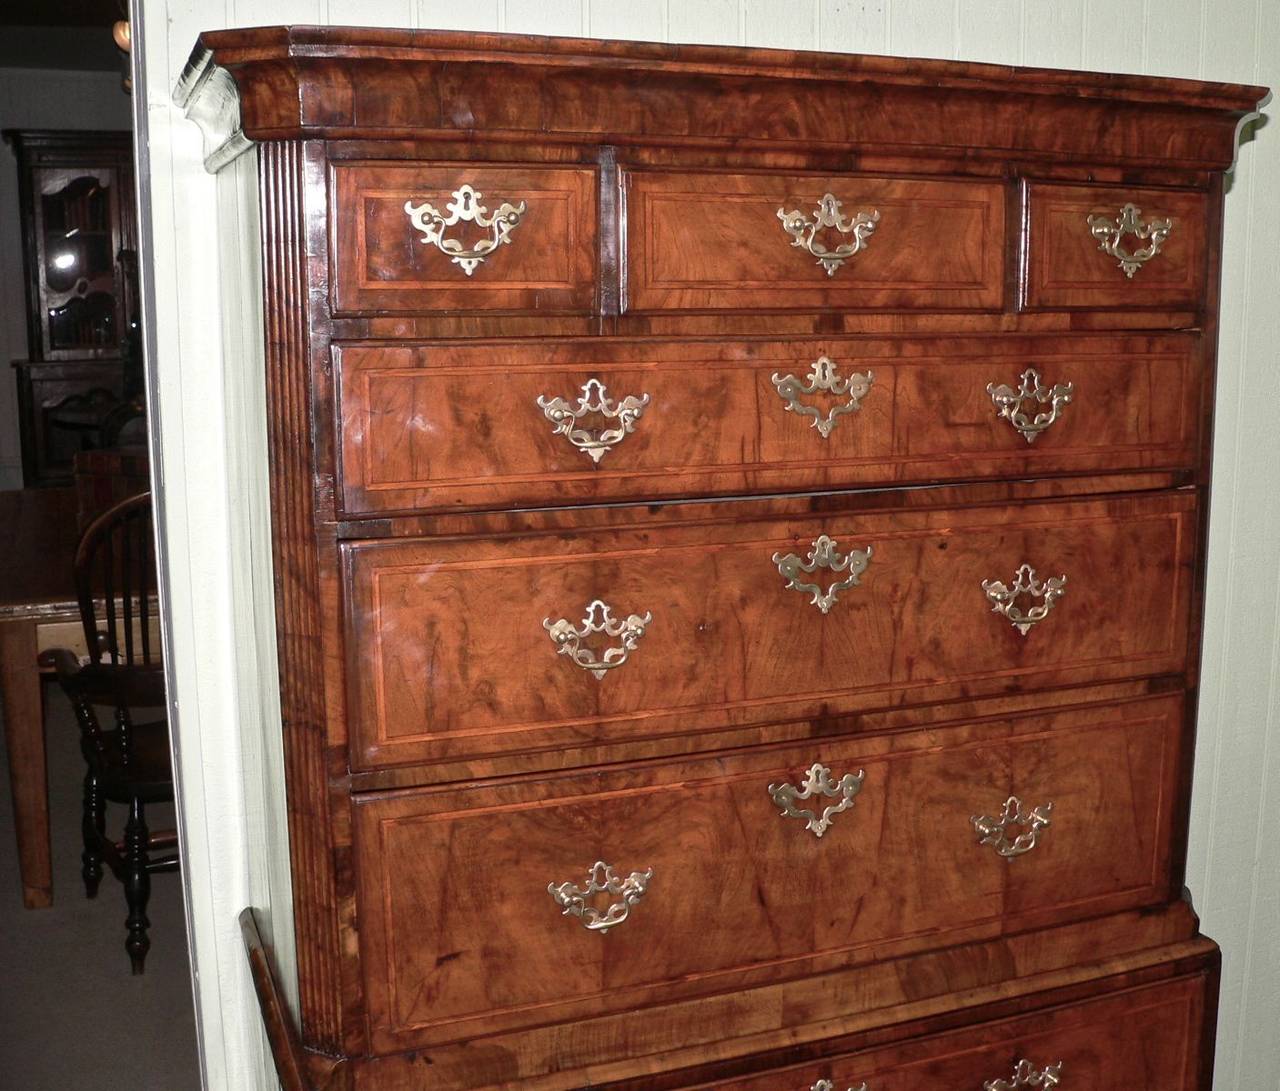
(77, 246)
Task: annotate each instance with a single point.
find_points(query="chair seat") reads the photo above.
(148, 775)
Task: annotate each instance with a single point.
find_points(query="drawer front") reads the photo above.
(1153, 1038)
(1069, 226)
(477, 906)
(464, 647)
(473, 238)
(428, 428)
(721, 241)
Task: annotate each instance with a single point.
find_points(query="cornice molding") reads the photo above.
(280, 83)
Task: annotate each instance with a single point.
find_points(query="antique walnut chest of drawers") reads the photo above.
(738, 530)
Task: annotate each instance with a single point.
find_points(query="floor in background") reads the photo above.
(72, 1018)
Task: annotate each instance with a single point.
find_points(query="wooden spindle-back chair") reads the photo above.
(127, 760)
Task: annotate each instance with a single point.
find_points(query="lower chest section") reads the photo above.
(1148, 1027)
(637, 802)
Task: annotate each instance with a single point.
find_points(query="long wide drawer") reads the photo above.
(712, 241)
(524, 903)
(1153, 1038)
(433, 427)
(462, 647)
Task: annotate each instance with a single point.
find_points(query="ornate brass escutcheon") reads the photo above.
(823, 377)
(465, 208)
(1110, 234)
(994, 830)
(818, 783)
(1004, 600)
(1015, 405)
(573, 899)
(804, 231)
(823, 555)
(827, 1085)
(599, 619)
(1025, 1075)
(595, 401)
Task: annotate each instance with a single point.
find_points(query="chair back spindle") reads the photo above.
(115, 576)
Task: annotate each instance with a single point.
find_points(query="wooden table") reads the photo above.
(38, 538)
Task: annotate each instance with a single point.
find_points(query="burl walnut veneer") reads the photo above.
(739, 526)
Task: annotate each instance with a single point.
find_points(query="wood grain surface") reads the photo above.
(713, 240)
(382, 264)
(741, 894)
(445, 762)
(1065, 267)
(343, 82)
(448, 653)
(429, 427)
(1090, 1045)
(813, 1019)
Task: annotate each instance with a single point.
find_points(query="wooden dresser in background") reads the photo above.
(739, 526)
(76, 196)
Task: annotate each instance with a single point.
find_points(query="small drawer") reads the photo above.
(1150, 1038)
(509, 424)
(463, 237)
(470, 646)
(509, 905)
(773, 242)
(1082, 250)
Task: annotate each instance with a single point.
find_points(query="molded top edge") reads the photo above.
(241, 46)
(343, 83)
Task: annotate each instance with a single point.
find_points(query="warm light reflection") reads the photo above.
(65, 260)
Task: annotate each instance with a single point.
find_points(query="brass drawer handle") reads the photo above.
(804, 231)
(1004, 600)
(568, 637)
(818, 782)
(572, 898)
(1015, 405)
(823, 555)
(465, 207)
(823, 377)
(994, 830)
(1110, 233)
(1025, 1075)
(827, 1085)
(595, 401)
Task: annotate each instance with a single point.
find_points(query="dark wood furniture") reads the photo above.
(291, 1059)
(39, 529)
(77, 198)
(739, 522)
(63, 409)
(126, 758)
(38, 535)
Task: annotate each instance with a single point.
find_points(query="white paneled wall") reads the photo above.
(214, 484)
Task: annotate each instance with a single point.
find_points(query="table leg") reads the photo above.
(28, 772)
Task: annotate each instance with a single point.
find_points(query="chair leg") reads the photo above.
(93, 827)
(137, 885)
